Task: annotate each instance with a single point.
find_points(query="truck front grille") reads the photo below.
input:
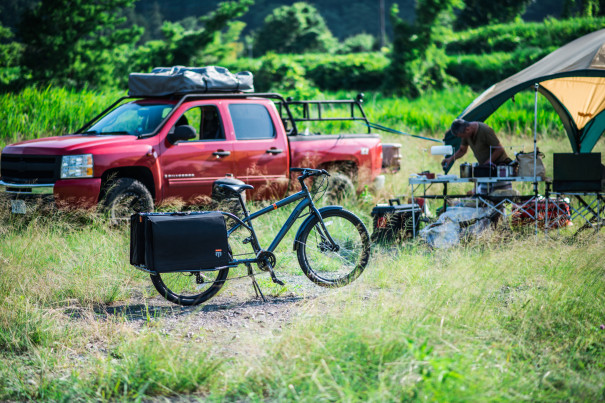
(30, 169)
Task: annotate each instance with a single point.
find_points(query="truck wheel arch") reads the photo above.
(341, 183)
(142, 174)
(349, 168)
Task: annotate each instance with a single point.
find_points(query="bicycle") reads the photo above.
(329, 258)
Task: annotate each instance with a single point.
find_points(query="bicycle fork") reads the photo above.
(327, 240)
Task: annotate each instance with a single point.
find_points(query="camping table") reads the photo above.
(518, 204)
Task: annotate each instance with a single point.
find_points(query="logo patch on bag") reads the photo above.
(218, 252)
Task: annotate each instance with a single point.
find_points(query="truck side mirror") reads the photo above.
(184, 132)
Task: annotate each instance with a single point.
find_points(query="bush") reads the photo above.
(358, 44)
(481, 71)
(360, 72)
(508, 37)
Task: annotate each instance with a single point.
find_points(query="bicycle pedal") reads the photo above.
(276, 280)
(247, 240)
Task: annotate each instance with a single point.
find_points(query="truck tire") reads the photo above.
(340, 187)
(125, 197)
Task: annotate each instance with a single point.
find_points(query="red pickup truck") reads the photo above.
(153, 149)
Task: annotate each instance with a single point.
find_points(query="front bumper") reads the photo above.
(65, 193)
(19, 189)
(378, 183)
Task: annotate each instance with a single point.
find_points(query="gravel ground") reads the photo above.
(236, 313)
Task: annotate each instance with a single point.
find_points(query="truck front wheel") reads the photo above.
(125, 197)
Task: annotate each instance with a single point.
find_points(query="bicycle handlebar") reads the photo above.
(308, 172)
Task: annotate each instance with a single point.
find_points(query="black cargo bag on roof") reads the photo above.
(171, 242)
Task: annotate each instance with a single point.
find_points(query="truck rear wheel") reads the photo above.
(125, 197)
(340, 187)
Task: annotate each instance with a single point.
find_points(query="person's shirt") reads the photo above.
(480, 144)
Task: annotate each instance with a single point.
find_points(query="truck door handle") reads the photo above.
(221, 153)
(274, 151)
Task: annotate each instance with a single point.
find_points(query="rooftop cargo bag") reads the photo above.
(171, 242)
(164, 81)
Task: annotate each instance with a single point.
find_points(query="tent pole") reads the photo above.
(536, 86)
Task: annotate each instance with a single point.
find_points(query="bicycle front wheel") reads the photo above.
(334, 265)
(189, 288)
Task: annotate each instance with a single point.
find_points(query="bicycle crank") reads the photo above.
(266, 260)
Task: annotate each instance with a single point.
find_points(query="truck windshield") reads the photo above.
(131, 118)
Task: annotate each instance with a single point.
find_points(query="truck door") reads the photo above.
(261, 152)
(191, 167)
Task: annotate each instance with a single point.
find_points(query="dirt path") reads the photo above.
(236, 313)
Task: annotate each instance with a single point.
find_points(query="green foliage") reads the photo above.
(481, 71)
(10, 57)
(182, 47)
(10, 51)
(416, 62)
(509, 37)
(280, 74)
(294, 29)
(75, 41)
(359, 43)
(478, 13)
(360, 72)
(586, 8)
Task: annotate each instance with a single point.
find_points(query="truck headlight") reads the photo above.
(76, 166)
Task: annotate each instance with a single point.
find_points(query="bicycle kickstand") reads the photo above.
(255, 285)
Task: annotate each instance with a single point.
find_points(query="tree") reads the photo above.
(417, 63)
(585, 8)
(75, 41)
(184, 47)
(294, 29)
(483, 12)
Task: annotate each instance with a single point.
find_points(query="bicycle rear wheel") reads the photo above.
(330, 266)
(189, 288)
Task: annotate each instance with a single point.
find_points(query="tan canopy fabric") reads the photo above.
(584, 97)
(572, 78)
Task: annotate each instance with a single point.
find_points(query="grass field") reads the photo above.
(507, 318)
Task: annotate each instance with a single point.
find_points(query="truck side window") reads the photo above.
(211, 128)
(251, 122)
(206, 122)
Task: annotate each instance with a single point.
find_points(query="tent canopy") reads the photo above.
(572, 78)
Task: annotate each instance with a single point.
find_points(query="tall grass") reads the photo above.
(42, 112)
(513, 320)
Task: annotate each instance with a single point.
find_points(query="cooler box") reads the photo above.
(394, 221)
(172, 242)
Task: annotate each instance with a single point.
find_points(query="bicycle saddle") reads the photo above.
(235, 185)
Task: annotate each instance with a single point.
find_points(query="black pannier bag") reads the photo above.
(170, 242)
(395, 221)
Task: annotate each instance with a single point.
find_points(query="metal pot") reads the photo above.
(505, 171)
(466, 170)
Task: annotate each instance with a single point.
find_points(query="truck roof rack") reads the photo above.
(283, 106)
(313, 111)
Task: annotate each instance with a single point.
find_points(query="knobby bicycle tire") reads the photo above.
(334, 268)
(184, 288)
